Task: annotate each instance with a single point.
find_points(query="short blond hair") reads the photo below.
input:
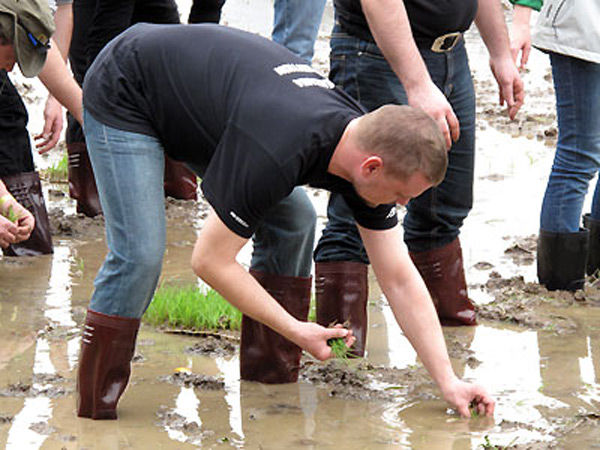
(407, 139)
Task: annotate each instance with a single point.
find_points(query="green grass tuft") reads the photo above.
(187, 307)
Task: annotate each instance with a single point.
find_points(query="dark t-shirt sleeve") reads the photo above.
(381, 217)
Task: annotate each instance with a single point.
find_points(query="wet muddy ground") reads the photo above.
(537, 352)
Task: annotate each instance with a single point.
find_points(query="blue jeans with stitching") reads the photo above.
(577, 157)
(434, 218)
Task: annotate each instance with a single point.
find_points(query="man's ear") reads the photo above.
(371, 165)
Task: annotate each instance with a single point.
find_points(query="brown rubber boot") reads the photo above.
(342, 289)
(82, 184)
(180, 182)
(443, 273)
(26, 188)
(107, 347)
(265, 355)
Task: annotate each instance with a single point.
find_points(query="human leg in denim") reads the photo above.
(434, 218)
(296, 25)
(577, 158)
(284, 241)
(129, 169)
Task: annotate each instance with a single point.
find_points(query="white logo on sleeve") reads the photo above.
(238, 219)
(303, 82)
(392, 213)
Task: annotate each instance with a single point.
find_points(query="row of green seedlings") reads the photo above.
(189, 308)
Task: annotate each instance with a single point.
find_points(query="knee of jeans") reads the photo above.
(147, 260)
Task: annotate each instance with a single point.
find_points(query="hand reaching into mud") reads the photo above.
(462, 396)
(314, 339)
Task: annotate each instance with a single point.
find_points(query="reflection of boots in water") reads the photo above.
(593, 259)
(180, 182)
(561, 259)
(265, 355)
(82, 184)
(341, 289)
(443, 272)
(26, 188)
(107, 347)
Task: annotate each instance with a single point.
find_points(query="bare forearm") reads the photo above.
(61, 84)
(240, 289)
(391, 29)
(416, 315)
(492, 28)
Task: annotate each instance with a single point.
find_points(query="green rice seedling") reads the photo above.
(10, 214)
(187, 307)
(340, 350)
(59, 172)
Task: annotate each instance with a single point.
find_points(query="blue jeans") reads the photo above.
(129, 170)
(577, 158)
(434, 218)
(296, 25)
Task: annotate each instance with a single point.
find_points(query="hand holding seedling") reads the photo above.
(16, 222)
(469, 399)
(315, 339)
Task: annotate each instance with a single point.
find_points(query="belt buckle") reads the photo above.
(446, 42)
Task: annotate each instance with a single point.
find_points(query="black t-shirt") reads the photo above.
(253, 114)
(428, 18)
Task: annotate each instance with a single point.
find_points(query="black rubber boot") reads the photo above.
(341, 290)
(593, 259)
(561, 259)
(265, 355)
(26, 188)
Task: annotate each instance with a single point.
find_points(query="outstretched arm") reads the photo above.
(214, 260)
(390, 27)
(415, 313)
(491, 25)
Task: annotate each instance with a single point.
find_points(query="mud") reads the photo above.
(536, 352)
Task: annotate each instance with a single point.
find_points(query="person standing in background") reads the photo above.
(569, 33)
(413, 52)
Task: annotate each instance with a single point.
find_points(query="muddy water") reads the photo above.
(538, 353)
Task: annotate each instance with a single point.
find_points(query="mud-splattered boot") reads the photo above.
(443, 272)
(82, 184)
(180, 182)
(593, 259)
(342, 289)
(265, 355)
(561, 259)
(26, 188)
(107, 348)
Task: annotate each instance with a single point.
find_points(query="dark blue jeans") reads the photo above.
(577, 158)
(434, 218)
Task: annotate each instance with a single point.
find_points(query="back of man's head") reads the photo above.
(407, 139)
(27, 25)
